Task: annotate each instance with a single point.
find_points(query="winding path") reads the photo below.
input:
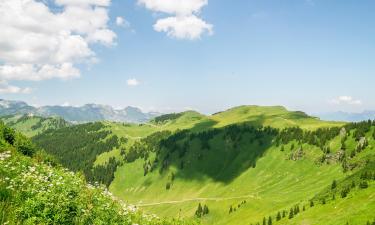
(196, 199)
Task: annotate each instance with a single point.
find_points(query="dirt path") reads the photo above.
(195, 199)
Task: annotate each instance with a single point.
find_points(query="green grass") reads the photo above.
(34, 190)
(272, 185)
(274, 116)
(357, 208)
(224, 175)
(275, 184)
(33, 125)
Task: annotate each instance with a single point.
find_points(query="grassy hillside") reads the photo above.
(270, 172)
(35, 190)
(243, 165)
(274, 116)
(33, 125)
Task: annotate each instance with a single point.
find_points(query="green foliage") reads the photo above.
(36, 193)
(269, 221)
(167, 117)
(78, 146)
(9, 135)
(202, 211)
(33, 125)
(278, 216)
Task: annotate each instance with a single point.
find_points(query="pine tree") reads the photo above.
(264, 221)
(278, 216)
(199, 211)
(205, 210)
(291, 215)
(269, 220)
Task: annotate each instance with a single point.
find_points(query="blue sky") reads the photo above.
(315, 56)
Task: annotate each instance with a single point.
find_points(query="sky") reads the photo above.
(175, 55)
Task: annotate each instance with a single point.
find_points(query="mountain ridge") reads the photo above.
(347, 116)
(86, 113)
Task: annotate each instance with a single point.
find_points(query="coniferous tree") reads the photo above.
(269, 220)
(264, 221)
(199, 211)
(291, 215)
(278, 216)
(205, 210)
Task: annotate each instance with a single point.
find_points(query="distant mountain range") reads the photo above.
(85, 113)
(345, 116)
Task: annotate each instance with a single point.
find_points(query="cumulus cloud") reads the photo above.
(190, 27)
(5, 88)
(348, 100)
(37, 43)
(178, 7)
(184, 22)
(121, 22)
(132, 82)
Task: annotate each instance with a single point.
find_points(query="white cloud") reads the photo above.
(132, 82)
(5, 88)
(348, 100)
(37, 43)
(184, 22)
(190, 27)
(121, 22)
(177, 7)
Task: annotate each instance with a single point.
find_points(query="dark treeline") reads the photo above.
(78, 146)
(103, 174)
(319, 137)
(360, 128)
(167, 117)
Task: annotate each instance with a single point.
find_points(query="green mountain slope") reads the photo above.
(269, 171)
(244, 164)
(274, 116)
(33, 125)
(35, 190)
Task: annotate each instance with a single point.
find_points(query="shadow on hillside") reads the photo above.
(205, 125)
(221, 154)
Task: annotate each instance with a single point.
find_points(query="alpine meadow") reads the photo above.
(187, 112)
